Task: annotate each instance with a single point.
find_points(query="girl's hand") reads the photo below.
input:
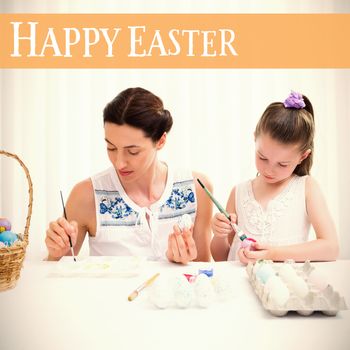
(221, 225)
(242, 256)
(57, 237)
(262, 251)
(181, 246)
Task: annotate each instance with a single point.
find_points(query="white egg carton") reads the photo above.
(319, 296)
(98, 266)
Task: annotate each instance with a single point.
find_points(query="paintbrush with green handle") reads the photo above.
(242, 236)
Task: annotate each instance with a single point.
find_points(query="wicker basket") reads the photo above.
(11, 258)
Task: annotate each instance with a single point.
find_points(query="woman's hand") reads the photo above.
(221, 225)
(181, 246)
(57, 237)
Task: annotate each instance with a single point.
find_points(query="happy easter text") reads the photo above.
(142, 42)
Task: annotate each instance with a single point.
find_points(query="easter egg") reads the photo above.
(287, 272)
(8, 238)
(177, 281)
(204, 290)
(265, 272)
(5, 225)
(257, 266)
(247, 243)
(201, 279)
(183, 293)
(272, 283)
(277, 290)
(185, 222)
(160, 293)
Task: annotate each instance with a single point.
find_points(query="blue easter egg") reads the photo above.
(265, 272)
(8, 237)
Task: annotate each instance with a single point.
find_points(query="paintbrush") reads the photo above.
(136, 292)
(242, 236)
(65, 216)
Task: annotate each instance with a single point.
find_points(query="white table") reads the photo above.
(50, 313)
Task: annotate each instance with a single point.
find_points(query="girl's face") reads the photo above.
(276, 161)
(130, 151)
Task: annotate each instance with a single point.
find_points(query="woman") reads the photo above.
(133, 207)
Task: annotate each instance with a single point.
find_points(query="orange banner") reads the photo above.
(174, 41)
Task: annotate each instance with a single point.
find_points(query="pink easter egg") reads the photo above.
(247, 243)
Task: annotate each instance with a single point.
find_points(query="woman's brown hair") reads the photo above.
(141, 109)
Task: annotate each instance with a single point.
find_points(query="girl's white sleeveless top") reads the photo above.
(283, 222)
(122, 227)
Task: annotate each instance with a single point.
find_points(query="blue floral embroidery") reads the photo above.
(115, 211)
(116, 207)
(180, 197)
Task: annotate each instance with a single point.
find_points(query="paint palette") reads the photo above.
(293, 287)
(98, 266)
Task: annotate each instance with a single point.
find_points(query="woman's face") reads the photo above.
(131, 153)
(276, 161)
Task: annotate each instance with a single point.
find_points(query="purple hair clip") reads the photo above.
(294, 100)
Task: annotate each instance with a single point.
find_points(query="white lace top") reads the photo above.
(125, 228)
(284, 222)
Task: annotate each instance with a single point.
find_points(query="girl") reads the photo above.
(278, 206)
(132, 208)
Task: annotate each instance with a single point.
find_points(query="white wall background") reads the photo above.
(53, 118)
